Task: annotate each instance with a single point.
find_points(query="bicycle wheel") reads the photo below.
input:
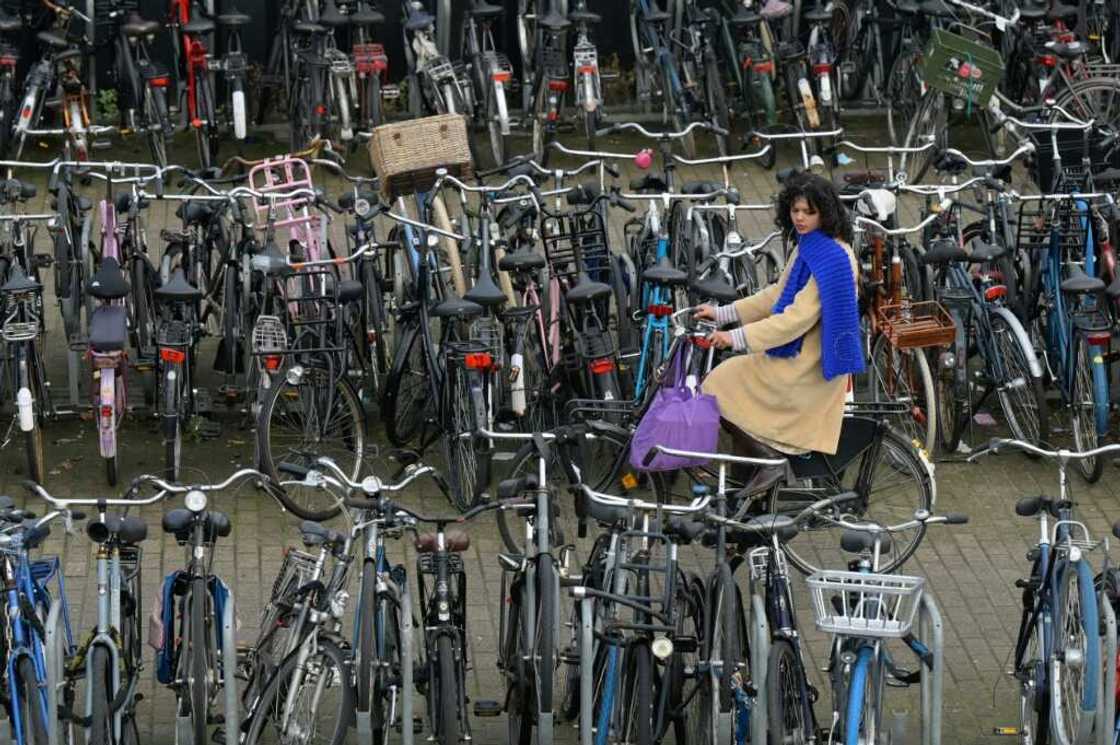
(1082, 405)
(101, 686)
(929, 124)
(155, 114)
(1020, 393)
(684, 680)
(306, 416)
(405, 397)
(903, 376)
(951, 406)
(719, 111)
(33, 438)
(903, 94)
(204, 105)
(637, 695)
(172, 400)
(447, 728)
(1034, 706)
(197, 660)
(499, 142)
(862, 712)
(468, 468)
(786, 714)
(890, 481)
(519, 694)
(1075, 665)
(544, 642)
(1094, 98)
(30, 701)
(321, 709)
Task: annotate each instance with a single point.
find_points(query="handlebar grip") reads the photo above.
(293, 469)
(346, 201)
(76, 515)
(157, 187)
(956, 518)
(623, 204)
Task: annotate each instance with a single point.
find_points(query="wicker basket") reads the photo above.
(405, 155)
(909, 325)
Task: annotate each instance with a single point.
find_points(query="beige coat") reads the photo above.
(785, 399)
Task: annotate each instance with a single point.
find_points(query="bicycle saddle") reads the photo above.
(1079, 282)
(745, 17)
(233, 18)
(701, 187)
(15, 189)
(179, 521)
(1030, 12)
(54, 41)
(9, 24)
(981, 252)
(457, 307)
(367, 17)
(554, 21)
(483, 9)
(177, 289)
(857, 541)
(129, 529)
(664, 273)
(485, 292)
(1070, 51)
(648, 183)
(315, 534)
(194, 212)
(582, 15)
(332, 16)
(655, 15)
(943, 251)
(350, 290)
(199, 25)
(586, 290)
(715, 288)
(818, 14)
(20, 282)
(419, 19)
(307, 27)
(1059, 12)
(137, 26)
(522, 260)
(456, 541)
(108, 282)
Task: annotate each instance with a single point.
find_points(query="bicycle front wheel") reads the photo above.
(786, 718)
(1076, 662)
(320, 710)
(31, 708)
(198, 660)
(903, 376)
(311, 413)
(1020, 392)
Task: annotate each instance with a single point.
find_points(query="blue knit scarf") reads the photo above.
(824, 259)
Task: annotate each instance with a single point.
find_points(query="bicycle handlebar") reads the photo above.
(1001, 22)
(623, 126)
(696, 505)
(724, 158)
(861, 220)
(1025, 149)
(889, 149)
(370, 485)
(998, 443)
(767, 462)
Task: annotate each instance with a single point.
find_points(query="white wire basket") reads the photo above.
(20, 330)
(269, 336)
(867, 605)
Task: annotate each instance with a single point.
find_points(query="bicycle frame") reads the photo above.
(109, 368)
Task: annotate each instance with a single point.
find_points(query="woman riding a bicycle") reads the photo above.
(801, 335)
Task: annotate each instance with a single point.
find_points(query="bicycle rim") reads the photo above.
(1083, 411)
(1075, 666)
(903, 375)
(1020, 394)
(322, 707)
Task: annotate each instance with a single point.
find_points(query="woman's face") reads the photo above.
(805, 219)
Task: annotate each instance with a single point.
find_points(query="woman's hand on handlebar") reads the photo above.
(720, 339)
(705, 313)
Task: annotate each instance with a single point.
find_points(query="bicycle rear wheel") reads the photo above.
(1020, 393)
(468, 467)
(447, 706)
(1075, 665)
(1084, 397)
(786, 718)
(306, 416)
(31, 708)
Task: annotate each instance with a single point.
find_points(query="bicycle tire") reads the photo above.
(717, 106)
(1034, 709)
(198, 665)
(885, 373)
(952, 392)
(172, 423)
(100, 684)
(405, 396)
(519, 697)
(34, 724)
(867, 475)
(785, 718)
(1072, 721)
(348, 451)
(156, 116)
(544, 654)
(638, 714)
(929, 124)
(205, 113)
(1027, 415)
(468, 469)
(499, 143)
(901, 95)
(329, 660)
(1078, 100)
(861, 717)
(8, 105)
(681, 669)
(448, 687)
(1084, 396)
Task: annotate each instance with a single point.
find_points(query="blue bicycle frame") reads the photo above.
(654, 298)
(664, 58)
(29, 579)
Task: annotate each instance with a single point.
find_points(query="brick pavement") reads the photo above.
(970, 569)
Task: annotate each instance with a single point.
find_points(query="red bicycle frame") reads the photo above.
(195, 57)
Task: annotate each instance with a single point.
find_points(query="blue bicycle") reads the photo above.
(29, 599)
(658, 67)
(1058, 647)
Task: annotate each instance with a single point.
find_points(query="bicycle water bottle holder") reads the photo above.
(878, 606)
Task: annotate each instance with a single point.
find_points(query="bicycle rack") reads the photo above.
(1106, 711)
(930, 631)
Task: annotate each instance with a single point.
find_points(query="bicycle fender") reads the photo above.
(1024, 340)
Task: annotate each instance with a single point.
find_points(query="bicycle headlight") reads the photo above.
(662, 648)
(338, 604)
(295, 375)
(195, 500)
(361, 207)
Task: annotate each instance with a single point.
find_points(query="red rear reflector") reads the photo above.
(660, 310)
(558, 86)
(587, 69)
(701, 341)
(479, 361)
(160, 82)
(106, 412)
(371, 337)
(320, 109)
(1048, 60)
(601, 365)
(766, 67)
(196, 123)
(26, 113)
(501, 76)
(8, 61)
(995, 292)
(272, 362)
(176, 356)
(1099, 338)
(822, 69)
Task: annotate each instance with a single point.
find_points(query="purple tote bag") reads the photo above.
(677, 418)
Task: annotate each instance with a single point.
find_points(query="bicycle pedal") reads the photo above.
(487, 709)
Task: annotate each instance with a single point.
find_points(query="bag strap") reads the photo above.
(674, 371)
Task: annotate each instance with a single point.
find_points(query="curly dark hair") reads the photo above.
(822, 197)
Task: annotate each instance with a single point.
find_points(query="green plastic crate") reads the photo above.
(962, 67)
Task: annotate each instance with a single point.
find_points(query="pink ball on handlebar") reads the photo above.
(644, 159)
